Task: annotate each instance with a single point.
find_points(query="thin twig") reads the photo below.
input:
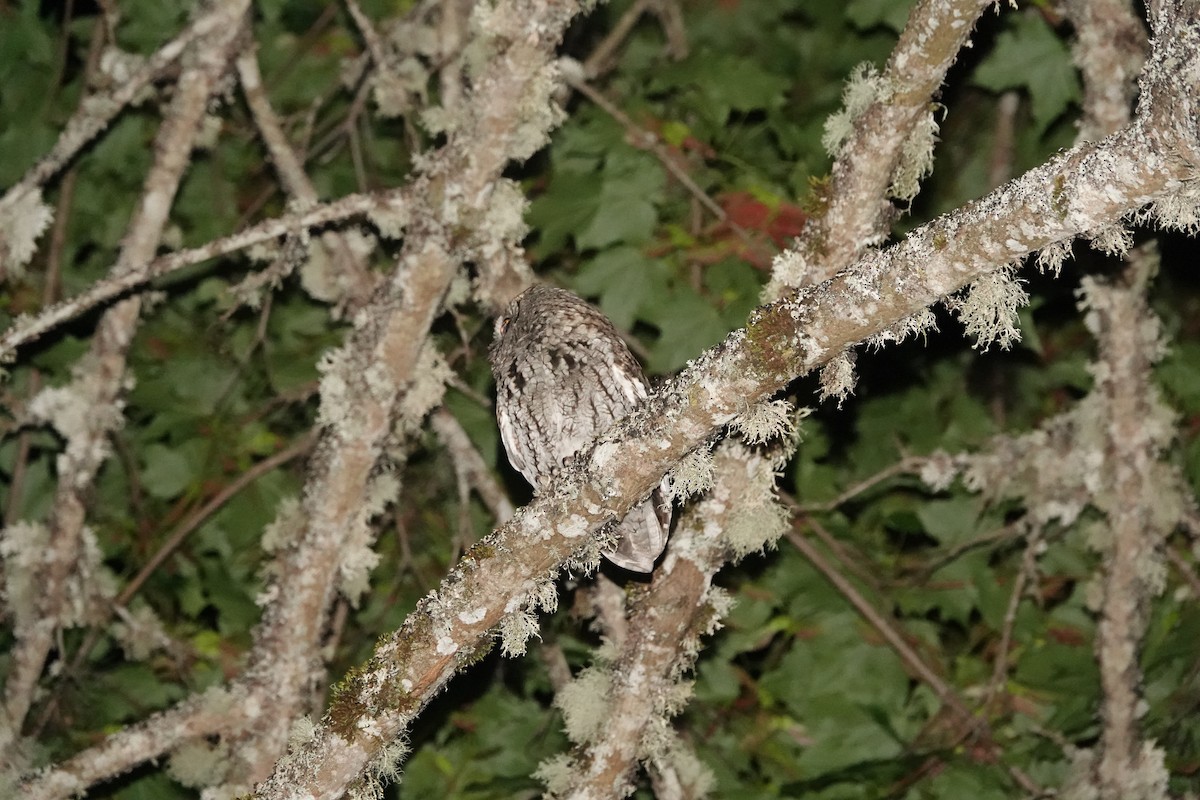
(1188, 574)
(906, 465)
(26, 331)
(94, 116)
(469, 465)
(602, 58)
(1023, 578)
(886, 628)
(889, 630)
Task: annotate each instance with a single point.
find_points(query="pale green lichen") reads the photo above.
(426, 391)
(1113, 240)
(1180, 211)
(23, 546)
(693, 475)
(988, 311)
(585, 702)
(139, 632)
(764, 422)
(558, 774)
(838, 377)
(1051, 257)
(864, 88)
(915, 324)
(198, 764)
(916, 158)
(756, 524)
(515, 630)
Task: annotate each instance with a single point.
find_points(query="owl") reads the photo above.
(563, 376)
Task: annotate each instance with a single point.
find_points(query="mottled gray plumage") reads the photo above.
(563, 375)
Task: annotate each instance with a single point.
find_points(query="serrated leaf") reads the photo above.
(1030, 56)
(726, 82)
(625, 207)
(625, 281)
(689, 325)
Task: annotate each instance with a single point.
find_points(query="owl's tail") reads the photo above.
(643, 534)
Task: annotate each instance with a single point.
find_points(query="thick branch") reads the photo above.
(859, 215)
(507, 118)
(665, 626)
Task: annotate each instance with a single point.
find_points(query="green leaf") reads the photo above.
(1029, 55)
(689, 324)
(616, 205)
(167, 471)
(1179, 376)
(626, 282)
(726, 82)
(624, 210)
(950, 521)
(867, 14)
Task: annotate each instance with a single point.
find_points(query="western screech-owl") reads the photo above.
(563, 376)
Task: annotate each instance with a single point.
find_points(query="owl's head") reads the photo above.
(536, 311)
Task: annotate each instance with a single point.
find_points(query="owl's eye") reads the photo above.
(502, 325)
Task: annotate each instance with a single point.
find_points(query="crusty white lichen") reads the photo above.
(22, 547)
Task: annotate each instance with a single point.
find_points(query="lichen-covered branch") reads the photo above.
(464, 212)
(345, 277)
(94, 115)
(386, 209)
(505, 578)
(883, 142)
(1141, 495)
(619, 711)
(89, 409)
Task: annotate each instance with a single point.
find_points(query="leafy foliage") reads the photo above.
(797, 696)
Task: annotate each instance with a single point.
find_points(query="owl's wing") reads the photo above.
(643, 534)
(515, 445)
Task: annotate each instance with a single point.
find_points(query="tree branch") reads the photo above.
(505, 576)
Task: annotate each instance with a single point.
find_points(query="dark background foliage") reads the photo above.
(796, 696)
